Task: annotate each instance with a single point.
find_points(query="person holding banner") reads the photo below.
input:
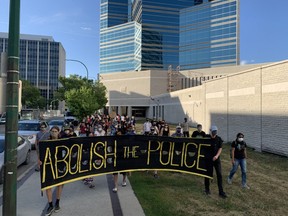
(216, 142)
(178, 132)
(43, 134)
(199, 133)
(54, 134)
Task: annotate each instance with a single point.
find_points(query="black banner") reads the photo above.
(67, 160)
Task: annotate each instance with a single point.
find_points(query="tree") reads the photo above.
(67, 84)
(82, 96)
(31, 97)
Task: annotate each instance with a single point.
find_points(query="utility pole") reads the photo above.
(11, 127)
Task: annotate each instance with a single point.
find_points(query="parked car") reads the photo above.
(59, 123)
(23, 153)
(71, 119)
(29, 129)
(3, 117)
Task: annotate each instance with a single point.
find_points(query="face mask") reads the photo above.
(178, 130)
(214, 133)
(99, 129)
(240, 139)
(67, 131)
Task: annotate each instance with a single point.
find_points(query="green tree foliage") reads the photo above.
(67, 84)
(82, 96)
(31, 97)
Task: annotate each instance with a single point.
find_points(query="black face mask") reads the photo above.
(214, 133)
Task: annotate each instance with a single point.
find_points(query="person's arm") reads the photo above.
(218, 154)
(232, 155)
(161, 132)
(193, 134)
(245, 153)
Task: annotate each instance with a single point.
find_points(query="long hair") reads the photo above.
(58, 129)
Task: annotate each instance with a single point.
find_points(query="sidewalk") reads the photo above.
(79, 200)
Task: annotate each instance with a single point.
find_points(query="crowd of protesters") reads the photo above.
(105, 125)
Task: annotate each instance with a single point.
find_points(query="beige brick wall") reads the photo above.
(254, 102)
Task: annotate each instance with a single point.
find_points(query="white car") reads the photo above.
(29, 129)
(23, 153)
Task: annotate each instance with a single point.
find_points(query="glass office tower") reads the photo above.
(41, 62)
(209, 35)
(186, 33)
(160, 31)
(120, 48)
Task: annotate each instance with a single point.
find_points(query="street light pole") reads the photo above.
(51, 103)
(80, 63)
(11, 125)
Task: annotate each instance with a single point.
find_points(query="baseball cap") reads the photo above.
(213, 128)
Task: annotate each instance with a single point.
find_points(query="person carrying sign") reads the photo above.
(43, 134)
(199, 133)
(54, 134)
(216, 142)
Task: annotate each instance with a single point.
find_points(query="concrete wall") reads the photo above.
(134, 88)
(254, 102)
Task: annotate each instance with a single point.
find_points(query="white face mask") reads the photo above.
(240, 139)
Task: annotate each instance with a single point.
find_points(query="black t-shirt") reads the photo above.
(198, 134)
(216, 143)
(239, 149)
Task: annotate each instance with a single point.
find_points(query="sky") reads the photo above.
(74, 23)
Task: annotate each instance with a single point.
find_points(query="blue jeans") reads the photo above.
(242, 163)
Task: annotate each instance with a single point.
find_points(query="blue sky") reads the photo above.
(263, 29)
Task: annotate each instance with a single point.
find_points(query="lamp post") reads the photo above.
(80, 63)
(51, 103)
(11, 126)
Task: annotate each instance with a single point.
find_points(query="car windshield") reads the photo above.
(2, 144)
(29, 126)
(56, 122)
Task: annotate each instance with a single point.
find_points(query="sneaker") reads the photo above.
(246, 187)
(37, 169)
(49, 211)
(114, 190)
(57, 208)
(223, 195)
(124, 184)
(91, 186)
(207, 192)
(229, 181)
